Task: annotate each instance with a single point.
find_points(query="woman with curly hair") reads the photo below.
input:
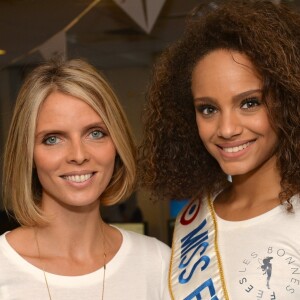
(233, 80)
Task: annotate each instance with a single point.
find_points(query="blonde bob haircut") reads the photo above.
(21, 187)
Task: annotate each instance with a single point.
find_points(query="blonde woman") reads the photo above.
(68, 150)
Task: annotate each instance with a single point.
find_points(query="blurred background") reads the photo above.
(122, 38)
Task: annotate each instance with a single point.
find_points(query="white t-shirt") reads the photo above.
(138, 271)
(261, 256)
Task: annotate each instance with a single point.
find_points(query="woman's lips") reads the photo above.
(78, 178)
(236, 148)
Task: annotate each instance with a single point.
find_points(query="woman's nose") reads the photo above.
(77, 152)
(229, 125)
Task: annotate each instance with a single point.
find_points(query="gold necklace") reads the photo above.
(44, 272)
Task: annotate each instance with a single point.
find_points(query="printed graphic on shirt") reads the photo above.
(267, 269)
(270, 274)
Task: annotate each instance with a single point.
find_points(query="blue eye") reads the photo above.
(250, 103)
(51, 140)
(97, 134)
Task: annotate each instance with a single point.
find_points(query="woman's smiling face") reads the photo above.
(232, 120)
(74, 154)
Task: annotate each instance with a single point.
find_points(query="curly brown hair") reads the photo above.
(173, 161)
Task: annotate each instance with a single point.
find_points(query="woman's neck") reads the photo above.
(250, 194)
(73, 234)
(70, 222)
(77, 249)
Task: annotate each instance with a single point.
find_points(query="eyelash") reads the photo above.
(57, 139)
(201, 108)
(47, 138)
(254, 101)
(103, 134)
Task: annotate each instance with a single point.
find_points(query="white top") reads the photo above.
(261, 256)
(139, 270)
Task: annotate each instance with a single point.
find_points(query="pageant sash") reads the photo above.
(196, 271)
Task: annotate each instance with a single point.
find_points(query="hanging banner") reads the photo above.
(135, 10)
(56, 45)
(153, 8)
(144, 13)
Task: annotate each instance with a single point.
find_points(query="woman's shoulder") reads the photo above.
(13, 244)
(146, 243)
(19, 239)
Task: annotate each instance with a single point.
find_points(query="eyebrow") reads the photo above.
(55, 131)
(235, 98)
